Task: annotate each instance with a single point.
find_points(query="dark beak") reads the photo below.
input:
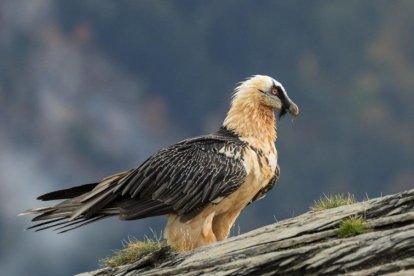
(293, 109)
(290, 107)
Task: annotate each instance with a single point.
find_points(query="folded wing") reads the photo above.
(181, 179)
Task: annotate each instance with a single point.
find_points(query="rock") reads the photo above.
(307, 244)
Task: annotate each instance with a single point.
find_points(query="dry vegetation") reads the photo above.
(372, 237)
(133, 251)
(332, 201)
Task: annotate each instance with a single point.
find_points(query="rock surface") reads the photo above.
(306, 244)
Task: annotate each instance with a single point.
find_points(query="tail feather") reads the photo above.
(85, 207)
(80, 223)
(102, 205)
(88, 203)
(34, 211)
(63, 209)
(52, 215)
(47, 224)
(68, 193)
(62, 223)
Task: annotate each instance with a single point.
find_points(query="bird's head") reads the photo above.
(268, 92)
(252, 111)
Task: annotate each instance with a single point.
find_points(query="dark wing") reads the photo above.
(262, 193)
(184, 178)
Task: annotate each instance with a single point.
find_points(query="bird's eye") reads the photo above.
(274, 91)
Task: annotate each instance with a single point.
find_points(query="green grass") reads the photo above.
(332, 201)
(352, 226)
(133, 251)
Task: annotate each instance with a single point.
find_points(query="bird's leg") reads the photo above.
(223, 223)
(192, 234)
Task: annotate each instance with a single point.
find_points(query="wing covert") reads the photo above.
(262, 193)
(184, 178)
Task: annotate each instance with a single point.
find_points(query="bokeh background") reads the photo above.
(89, 88)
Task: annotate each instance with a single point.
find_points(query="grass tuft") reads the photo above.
(352, 226)
(332, 201)
(133, 251)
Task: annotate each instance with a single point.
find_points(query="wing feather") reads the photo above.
(187, 177)
(262, 193)
(182, 179)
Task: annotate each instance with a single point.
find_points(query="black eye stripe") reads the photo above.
(279, 89)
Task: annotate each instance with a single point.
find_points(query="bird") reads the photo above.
(201, 184)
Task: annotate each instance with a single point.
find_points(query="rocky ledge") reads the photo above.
(308, 244)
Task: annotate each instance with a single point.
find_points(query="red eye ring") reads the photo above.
(274, 91)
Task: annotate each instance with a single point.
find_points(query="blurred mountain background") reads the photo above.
(89, 88)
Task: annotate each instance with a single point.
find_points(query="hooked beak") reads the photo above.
(289, 106)
(293, 109)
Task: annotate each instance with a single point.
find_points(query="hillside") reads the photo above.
(90, 89)
(306, 244)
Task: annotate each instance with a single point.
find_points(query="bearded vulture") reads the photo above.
(201, 183)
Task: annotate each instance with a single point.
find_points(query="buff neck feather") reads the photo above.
(250, 119)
